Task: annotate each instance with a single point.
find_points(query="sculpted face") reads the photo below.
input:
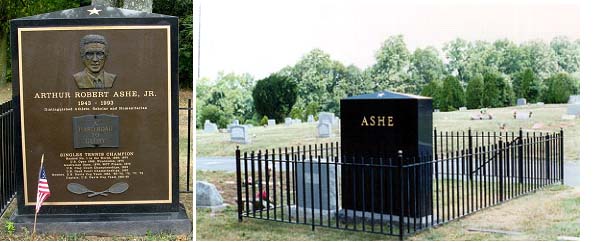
(94, 57)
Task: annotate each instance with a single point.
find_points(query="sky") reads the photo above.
(261, 37)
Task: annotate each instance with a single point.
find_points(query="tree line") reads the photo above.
(474, 74)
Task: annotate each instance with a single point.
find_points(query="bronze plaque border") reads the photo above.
(23, 150)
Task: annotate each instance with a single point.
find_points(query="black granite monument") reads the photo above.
(374, 128)
(97, 95)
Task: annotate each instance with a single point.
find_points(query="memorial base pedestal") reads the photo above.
(307, 212)
(106, 224)
(350, 215)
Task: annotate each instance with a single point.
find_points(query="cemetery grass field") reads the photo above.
(557, 206)
(186, 198)
(549, 115)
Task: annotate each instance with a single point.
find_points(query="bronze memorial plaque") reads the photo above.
(95, 102)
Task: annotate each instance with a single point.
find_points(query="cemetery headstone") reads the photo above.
(239, 134)
(573, 105)
(235, 122)
(310, 119)
(271, 122)
(379, 125)
(326, 117)
(106, 79)
(463, 109)
(209, 127)
(308, 179)
(540, 103)
(288, 121)
(521, 101)
(522, 115)
(324, 130)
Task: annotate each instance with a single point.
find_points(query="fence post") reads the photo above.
(470, 159)
(562, 156)
(500, 169)
(520, 155)
(189, 127)
(401, 194)
(547, 151)
(239, 198)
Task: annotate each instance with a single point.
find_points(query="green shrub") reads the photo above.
(559, 87)
(474, 92)
(264, 120)
(215, 115)
(433, 90)
(452, 94)
(274, 96)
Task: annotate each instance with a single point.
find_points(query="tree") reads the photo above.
(567, 53)
(355, 82)
(510, 56)
(456, 53)
(559, 87)
(434, 90)
(11, 9)
(538, 56)
(184, 10)
(527, 85)
(392, 63)
(474, 92)
(452, 96)
(497, 90)
(313, 75)
(426, 66)
(214, 114)
(274, 96)
(230, 92)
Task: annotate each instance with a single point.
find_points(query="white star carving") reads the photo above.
(94, 11)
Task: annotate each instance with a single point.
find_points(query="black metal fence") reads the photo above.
(468, 171)
(189, 110)
(7, 155)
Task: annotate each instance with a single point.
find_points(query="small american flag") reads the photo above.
(43, 189)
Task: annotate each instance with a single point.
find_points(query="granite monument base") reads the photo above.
(106, 224)
(349, 215)
(307, 212)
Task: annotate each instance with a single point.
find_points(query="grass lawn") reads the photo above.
(217, 144)
(185, 198)
(5, 92)
(557, 207)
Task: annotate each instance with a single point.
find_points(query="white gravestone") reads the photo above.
(522, 115)
(310, 119)
(209, 127)
(288, 121)
(573, 99)
(238, 134)
(521, 101)
(326, 117)
(296, 121)
(271, 122)
(573, 107)
(463, 109)
(324, 130)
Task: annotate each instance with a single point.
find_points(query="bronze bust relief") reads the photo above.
(93, 50)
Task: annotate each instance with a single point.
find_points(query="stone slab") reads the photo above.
(106, 224)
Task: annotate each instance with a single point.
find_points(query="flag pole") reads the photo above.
(39, 173)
